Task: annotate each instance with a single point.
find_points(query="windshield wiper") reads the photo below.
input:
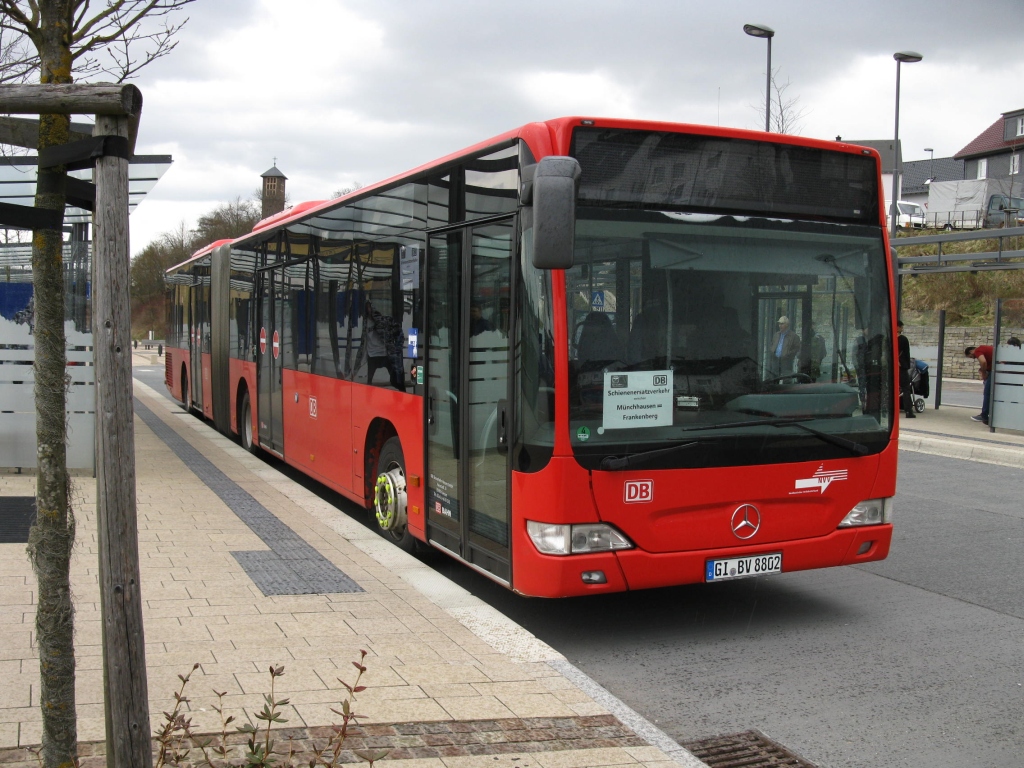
(842, 442)
(635, 459)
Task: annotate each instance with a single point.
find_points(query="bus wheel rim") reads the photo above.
(390, 500)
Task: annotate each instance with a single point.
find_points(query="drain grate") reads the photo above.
(17, 513)
(750, 749)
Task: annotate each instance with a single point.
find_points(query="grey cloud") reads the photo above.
(449, 70)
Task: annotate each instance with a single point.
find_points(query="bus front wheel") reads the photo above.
(389, 497)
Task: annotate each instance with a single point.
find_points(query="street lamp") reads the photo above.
(901, 57)
(760, 30)
(931, 164)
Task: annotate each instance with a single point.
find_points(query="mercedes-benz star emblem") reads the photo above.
(746, 521)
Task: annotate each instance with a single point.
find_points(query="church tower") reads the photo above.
(273, 191)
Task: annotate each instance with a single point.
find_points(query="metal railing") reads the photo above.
(1002, 258)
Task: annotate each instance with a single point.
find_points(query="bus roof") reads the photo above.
(204, 251)
(543, 139)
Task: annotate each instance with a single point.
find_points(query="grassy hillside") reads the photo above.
(968, 297)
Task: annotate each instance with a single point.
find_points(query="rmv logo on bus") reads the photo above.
(639, 491)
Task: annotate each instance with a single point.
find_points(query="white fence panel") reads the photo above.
(1008, 394)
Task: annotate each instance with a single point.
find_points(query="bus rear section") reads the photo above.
(728, 385)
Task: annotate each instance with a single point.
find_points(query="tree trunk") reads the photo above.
(53, 535)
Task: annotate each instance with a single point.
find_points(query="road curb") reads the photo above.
(1010, 456)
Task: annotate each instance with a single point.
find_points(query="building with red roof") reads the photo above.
(996, 152)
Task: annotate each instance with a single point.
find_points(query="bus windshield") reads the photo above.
(755, 340)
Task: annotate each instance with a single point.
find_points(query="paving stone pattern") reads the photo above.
(291, 567)
(417, 741)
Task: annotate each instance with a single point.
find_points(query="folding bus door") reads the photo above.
(468, 375)
(268, 360)
(200, 323)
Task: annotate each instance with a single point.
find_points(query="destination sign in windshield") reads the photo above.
(637, 399)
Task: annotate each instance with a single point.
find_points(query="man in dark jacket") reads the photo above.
(389, 333)
(906, 395)
(784, 349)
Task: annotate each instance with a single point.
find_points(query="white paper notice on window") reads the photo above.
(634, 399)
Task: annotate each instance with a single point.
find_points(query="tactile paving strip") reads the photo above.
(292, 566)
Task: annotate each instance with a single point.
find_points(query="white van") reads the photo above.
(911, 215)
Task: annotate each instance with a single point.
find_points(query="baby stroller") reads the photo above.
(919, 387)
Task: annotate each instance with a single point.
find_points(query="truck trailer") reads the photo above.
(974, 204)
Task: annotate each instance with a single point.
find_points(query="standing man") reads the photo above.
(906, 396)
(477, 322)
(812, 352)
(985, 355)
(785, 346)
(385, 339)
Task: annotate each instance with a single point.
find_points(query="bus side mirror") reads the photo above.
(553, 194)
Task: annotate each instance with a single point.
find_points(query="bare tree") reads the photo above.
(17, 60)
(226, 221)
(62, 38)
(346, 190)
(786, 113)
(116, 41)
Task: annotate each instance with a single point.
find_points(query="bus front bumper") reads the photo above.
(550, 576)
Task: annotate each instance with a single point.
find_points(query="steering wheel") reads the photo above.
(799, 378)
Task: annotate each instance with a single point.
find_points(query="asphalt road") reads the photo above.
(915, 661)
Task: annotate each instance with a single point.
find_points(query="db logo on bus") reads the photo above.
(639, 491)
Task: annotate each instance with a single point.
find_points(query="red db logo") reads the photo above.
(638, 491)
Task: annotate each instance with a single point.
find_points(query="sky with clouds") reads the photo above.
(343, 91)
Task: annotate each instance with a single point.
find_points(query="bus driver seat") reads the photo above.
(598, 344)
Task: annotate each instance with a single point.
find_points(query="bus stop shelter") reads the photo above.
(17, 416)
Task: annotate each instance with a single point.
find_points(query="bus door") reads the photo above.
(780, 357)
(467, 388)
(268, 360)
(195, 343)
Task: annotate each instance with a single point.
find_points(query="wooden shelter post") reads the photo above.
(124, 658)
(117, 109)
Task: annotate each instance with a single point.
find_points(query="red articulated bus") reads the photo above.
(584, 356)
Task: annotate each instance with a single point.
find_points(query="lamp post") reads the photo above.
(901, 57)
(760, 30)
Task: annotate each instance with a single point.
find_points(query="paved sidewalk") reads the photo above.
(950, 432)
(236, 564)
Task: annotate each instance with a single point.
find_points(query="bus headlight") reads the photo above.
(575, 539)
(870, 512)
